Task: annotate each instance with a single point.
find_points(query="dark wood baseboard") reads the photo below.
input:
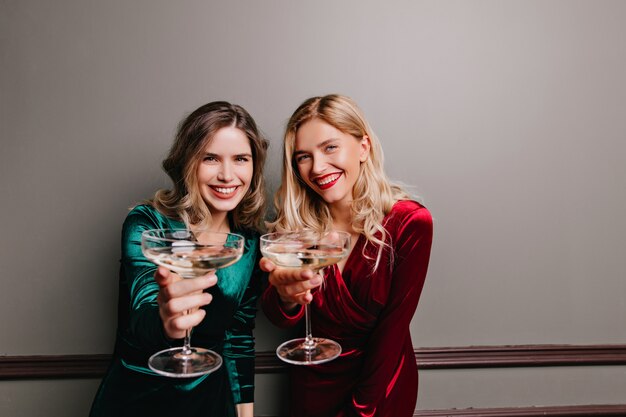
(494, 357)
(54, 367)
(555, 411)
(95, 365)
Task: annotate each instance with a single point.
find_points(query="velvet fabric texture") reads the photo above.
(368, 312)
(130, 388)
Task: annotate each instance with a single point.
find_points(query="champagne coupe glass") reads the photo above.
(179, 251)
(313, 250)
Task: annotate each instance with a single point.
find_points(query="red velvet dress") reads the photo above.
(369, 314)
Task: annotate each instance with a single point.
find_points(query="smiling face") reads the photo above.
(225, 171)
(329, 160)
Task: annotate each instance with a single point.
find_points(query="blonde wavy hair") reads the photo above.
(373, 194)
(184, 200)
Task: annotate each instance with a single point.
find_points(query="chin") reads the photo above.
(332, 198)
(226, 207)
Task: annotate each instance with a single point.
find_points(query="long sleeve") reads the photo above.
(144, 323)
(412, 244)
(272, 307)
(239, 352)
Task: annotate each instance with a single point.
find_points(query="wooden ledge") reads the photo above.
(95, 365)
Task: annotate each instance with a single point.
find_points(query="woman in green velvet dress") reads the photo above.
(216, 165)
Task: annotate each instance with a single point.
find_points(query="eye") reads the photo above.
(209, 158)
(302, 158)
(330, 148)
(242, 159)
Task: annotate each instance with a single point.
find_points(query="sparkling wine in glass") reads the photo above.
(180, 252)
(313, 250)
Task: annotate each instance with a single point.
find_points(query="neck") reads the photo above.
(218, 224)
(219, 221)
(342, 217)
(343, 221)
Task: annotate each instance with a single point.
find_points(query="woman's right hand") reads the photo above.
(180, 300)
(292, 285)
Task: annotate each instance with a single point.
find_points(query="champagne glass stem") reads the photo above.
(187, 351)
(187, 341)
(309, 343)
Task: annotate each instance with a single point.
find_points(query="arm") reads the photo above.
(412, 252)
(141, 289)
(288, 291)
(279, 314)
(157, 298)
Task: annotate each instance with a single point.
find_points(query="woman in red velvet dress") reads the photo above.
(333, 178)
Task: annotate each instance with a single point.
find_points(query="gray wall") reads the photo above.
(507, 117)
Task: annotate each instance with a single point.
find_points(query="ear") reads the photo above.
(364, 148)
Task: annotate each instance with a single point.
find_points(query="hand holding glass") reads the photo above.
(180, 252)
(313, 250)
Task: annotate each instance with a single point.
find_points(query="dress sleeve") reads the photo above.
(239, 349)
(272, 307)
(412, 246)
(143, 313)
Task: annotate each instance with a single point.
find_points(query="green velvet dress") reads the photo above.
(130, 388)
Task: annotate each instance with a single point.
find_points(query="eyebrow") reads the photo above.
(249, 155)
(321, 145)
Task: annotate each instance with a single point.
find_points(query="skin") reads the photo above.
(329, 162)
(224, 176)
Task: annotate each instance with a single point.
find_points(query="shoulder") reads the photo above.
(408, 211)
(408, 223)
(143, 210)
(142, 214)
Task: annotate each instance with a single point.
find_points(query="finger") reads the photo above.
(181, 305)
(285, 276)
(175, 328)
(164, 276)
(187, 286)
(301, 298)
(301, 286)
(304, 298)
(266, 265)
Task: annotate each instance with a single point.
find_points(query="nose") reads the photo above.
(225, 174)
(319, 164)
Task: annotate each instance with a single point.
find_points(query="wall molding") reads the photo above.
(553, 411)
(520, 356)
(95, 365)
(533, 411)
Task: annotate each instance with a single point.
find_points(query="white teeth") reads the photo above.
(328, 179)
(222, 190)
